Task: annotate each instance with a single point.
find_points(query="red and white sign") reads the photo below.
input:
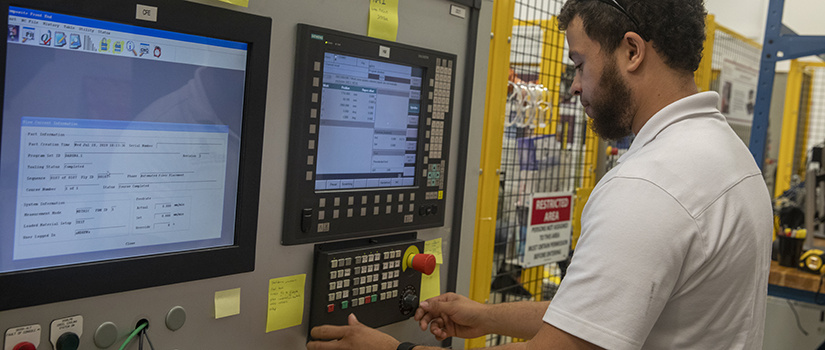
(550, 228)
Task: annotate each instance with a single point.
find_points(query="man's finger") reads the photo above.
(353, 321)
(322, 345)
(328, 332)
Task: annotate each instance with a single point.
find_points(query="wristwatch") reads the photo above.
(406, 346)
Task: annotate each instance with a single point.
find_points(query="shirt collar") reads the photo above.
(702, 103)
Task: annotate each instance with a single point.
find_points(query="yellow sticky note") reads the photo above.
(434, 247)
(286, 302)
(431, 285)
(244, 3)
(227, 302)
(383, 22)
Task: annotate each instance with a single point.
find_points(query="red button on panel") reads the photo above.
(24, 346)
(330, 307)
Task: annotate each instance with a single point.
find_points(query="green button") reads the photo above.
(344, 304)
(374, 298)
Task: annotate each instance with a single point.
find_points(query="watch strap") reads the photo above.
(406, 346)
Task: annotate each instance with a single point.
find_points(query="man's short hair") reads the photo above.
(675, 27)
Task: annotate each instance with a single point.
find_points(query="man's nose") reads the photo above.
(576, 87)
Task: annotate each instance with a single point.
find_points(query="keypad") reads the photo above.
(364, 278)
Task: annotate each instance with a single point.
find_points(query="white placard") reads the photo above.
(737, 91)
(549, 228)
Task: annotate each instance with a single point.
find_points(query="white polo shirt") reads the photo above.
(675, 244)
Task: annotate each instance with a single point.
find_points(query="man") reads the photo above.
(675, 244)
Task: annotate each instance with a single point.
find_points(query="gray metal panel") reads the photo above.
(425, 23)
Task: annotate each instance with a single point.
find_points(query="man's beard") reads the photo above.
(612, 116)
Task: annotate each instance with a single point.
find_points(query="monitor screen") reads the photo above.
(117, 140)
(126, 145)
(368, 130)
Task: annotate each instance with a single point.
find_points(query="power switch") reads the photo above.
(67, 341)
(306, 219)
(66, 332)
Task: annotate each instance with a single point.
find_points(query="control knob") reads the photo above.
(408, 301)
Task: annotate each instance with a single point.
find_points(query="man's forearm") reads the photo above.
(518, 319)
(512, 346)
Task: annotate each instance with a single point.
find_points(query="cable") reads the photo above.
(798, 323)
(132, 336)
(818, 292)
(140, 343)
(152, 347)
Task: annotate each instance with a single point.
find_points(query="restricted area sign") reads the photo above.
(549, 228)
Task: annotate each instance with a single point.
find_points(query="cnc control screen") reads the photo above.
(117, 141)
(368, 133)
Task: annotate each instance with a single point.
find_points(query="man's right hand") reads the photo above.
(453, 315)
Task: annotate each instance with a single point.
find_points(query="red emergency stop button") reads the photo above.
(424, 263)
(24, 346)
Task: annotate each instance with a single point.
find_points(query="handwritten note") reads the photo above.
(286, 302)
(431, 285)
(433, 247)
(383, 20)
(227, 303)
(244, 3)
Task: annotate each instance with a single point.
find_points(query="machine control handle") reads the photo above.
(424, 263)
(410, 301)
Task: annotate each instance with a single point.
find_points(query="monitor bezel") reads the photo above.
(60, 283)
(301, 206)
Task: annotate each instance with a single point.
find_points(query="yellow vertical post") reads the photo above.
(784, 163)
(704, 75)
(493, 131)
(591, 157)
(803, 160)
(551, 66)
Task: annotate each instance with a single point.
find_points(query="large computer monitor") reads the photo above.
(131, 145)
(369, 137)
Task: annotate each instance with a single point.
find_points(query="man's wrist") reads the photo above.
(406, 346)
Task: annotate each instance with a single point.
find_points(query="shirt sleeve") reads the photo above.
(635, 238)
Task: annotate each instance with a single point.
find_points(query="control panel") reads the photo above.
(369, 137)
(377, 279)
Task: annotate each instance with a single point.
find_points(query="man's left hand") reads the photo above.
(354, 336)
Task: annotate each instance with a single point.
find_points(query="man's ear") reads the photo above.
(633, 50)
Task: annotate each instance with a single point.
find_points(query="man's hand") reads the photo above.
(452, 315)
(354, 336)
